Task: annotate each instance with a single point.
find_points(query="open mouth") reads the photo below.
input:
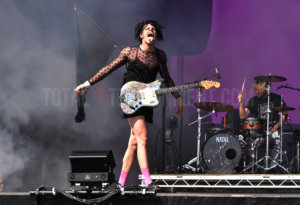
(150, 35)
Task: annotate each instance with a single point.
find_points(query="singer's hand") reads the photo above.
(82, 88)
(241, 97)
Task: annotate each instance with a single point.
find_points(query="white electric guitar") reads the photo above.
(135, 95)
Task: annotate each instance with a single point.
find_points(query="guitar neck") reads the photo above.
(177, 88)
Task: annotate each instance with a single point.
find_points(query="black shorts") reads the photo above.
(147, 112)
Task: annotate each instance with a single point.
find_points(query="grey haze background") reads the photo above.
(37, 128)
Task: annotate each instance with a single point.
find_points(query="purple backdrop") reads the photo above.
(250, 38)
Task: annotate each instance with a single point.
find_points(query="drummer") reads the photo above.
(257, 105)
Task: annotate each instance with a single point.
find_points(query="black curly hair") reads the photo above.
(140, 26)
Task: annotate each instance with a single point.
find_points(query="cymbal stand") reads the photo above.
(268, 133)
(298, 157)
(198, 158)
(280, 161)
(267, 157)
(253, 152)
(281, 124)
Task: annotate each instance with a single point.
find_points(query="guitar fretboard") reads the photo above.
(177, 88)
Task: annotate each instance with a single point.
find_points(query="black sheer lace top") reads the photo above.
(141, 66)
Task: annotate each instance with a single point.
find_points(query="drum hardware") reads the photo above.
(288, 87)
(199, 167)
(241, 139)
(230, 154)
(282, 109)
(267, 158)
(298, 157)
(296, 134)
(213, 107)
(245, 147)
(198, 157)
(253, 155)
(252, 127)
(294, 162)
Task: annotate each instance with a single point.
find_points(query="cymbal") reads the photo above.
(210, 106)
(281, 109)
(269, 78)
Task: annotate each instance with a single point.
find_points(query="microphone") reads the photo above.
(218, 74)
(281, 86)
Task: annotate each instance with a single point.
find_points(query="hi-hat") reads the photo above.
(281, 109)
(216, 106)
(269, 78)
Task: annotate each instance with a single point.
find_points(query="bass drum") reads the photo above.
(214, 130)
(222, 153)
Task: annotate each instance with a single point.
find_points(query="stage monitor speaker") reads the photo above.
(91, 167)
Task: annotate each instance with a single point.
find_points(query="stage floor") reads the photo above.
(179, 198)
(219, 189)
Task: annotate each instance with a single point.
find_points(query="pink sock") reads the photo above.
(123, 177)
(146, 174)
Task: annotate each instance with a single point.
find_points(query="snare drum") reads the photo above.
(253, 127)
(222, 153)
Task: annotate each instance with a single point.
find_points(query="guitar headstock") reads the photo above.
(207, 84)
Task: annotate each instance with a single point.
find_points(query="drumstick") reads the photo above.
(243, 85)
(242, 90)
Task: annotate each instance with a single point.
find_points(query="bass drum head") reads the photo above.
(222, 153)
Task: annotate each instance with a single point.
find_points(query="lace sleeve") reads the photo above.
(106, 70)
(165, 73)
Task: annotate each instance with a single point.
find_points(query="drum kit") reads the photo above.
(236, 151)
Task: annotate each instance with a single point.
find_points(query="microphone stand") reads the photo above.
(290, 87)
(198, 158)
(211, 76)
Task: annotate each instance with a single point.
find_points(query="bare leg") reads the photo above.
(139, 129)
(137, 142)
(129, 156)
